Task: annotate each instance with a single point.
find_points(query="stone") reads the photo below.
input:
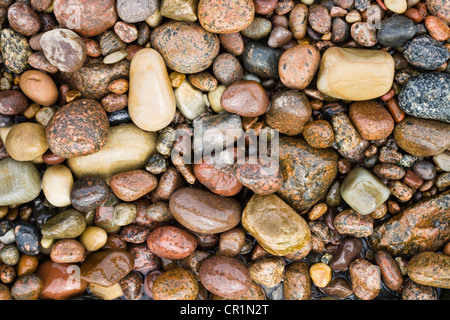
(189, 100)
(150, 116)
(365, 279)
(390, 270)
(267, 272)
(427, 96)
(88, 18)
(203, 211)
(126, 32)
(170, 242)
(175, 284)
(371, 119)
(261, 176)
(27, 238)
(111, 43)
(225, 276)
(39, 87)
(299, 163)
(297, 282)
(320, 274)
(246, 98)
(352, 223)
(67, 224)
(131, 185)
(298, 65)
(218, 178)
(23, 19)
(107, 267)
(397, 6)
(204, 81)
(339, 288)
(422, 137)
(409, 231)
(289, 112)
(124, 214)
(225, 16)
(185, 46)
(348, 250)
(395, 31)
(442, 160)
(346, 136)
(27, 287)
(227, 69)
(57, 183)
(106, 293)
(232, 42)
(415, 291)
(363, 191)
(88, 193)
(67, 251)
(78, 129)
(231, 242)
(425, 53)
(64, 49)
(132, 11)
(258, 29)
(93, 238)
(319, 18)
(340, 30)
(364, 33)
(343, 69)
(127, 148)
(15, 50)
(437, 29)
(430, 269)
(132, 286)
(179, 10)
(275, 225)
(26, 141)
(261, 60)
(319, 134)
(440, 9)
(20, 182)
(12, 102)
(298, 19)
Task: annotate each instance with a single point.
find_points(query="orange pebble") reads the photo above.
(27, 264)
(413, 14)
(92, 48)
(388, 96)
(437, 28)
(118, 86)
(395, 110)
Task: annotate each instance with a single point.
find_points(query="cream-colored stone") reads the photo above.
(57, 183)
(106, 293)
(275, 225)
(26, 141)
(181, 10)
(4, 133)
(189, 100)
(443, 160)
(44, 115)
(355, 74)
(155, 19)
(151, 101)
(127, 148)
(214, 98)
(93, 238)
(397, 6)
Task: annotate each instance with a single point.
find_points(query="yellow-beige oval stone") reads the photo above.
(275, 225)
(355, 74)
(57, 183)
(26, 141)
(127, 148)
(151, 101)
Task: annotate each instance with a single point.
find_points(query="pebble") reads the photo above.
(225, 16)
(342, 69)
(23, 19)
(437, 28)
(64, 49)
(175, 284)
(399, 236)
(132, 286)
(27, 287)
(39, 87)
(365, 279)
(204, 81)
(88, 193)
(131, 185)
(297, 282)
(71, 136)
(298, 19)
(264, 7)
(20, 182)
(422, 137)
(389, 269)
(185, 46)
(319, 18)
(349, 249)
(88, 22)
(397, 6)
(319, 134)
(299, 164)
(225, 276)
(134, 233)
(189, 100)
(67, 251)
(154, 116)
(114, 102)
(246, 98)
(433, 102)
(258, 29)
(261, 60)
(346, 136)
(58, 282)
(170, 242)
(298, 65)
(27, 264)
(124, 214)
(352, 223)
(231, 242)
(289, 112)
(340, 30)
(203, 211)
(440, 9)
(126, 32)
(218, 178)
(110, 43)
(371, 120)
(126, 149)
(430, 269)
(107, 267)
(10, 255)
(279, 37)
(170, 181)
(339, 288)
(425, 52)
(12, 102)
(389, 171)
(227, 69)
(132, 11)
(262, 177)
(67, 224)
(400, 190)
(282, 231)
(26, 141)
(27, 238)
(267, 272)
(442, 160)
(15, 50)
(364, 34)
(415, 291)
(395, 31)
(320, 274)
(93, 238)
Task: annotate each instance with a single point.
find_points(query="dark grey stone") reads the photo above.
(261, 60)
(396, 31)
(427, 95)
(425, 53)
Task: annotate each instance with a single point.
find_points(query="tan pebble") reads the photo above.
(93, 238)
(57, 183)
(320, 274)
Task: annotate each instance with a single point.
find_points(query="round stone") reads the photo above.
(132, 11)
(246, 98)
(319, 134)
(395, 31)
(175, 284)
(26, 141)
(39, 87)
(371, 120)
(12, 102)
(425, 52)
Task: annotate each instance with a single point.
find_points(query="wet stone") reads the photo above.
(88, 193)
(352, 223)
(27, 238)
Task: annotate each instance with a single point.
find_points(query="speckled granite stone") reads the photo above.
(15, 50)
(425, 52)
(427, 95)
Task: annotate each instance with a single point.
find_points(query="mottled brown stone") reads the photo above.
(219, 178)
(371, 119)
(365, 279)
(175, 284)
(246, 98)
(430, 269)
(297, 283)
(131, 185)
(170, 242)
(390, 270)
(319, 134)
(67, 251)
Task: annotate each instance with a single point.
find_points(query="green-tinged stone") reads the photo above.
(67, 224)
(430, 269)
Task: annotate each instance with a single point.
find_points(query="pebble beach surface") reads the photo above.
(225, 150)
